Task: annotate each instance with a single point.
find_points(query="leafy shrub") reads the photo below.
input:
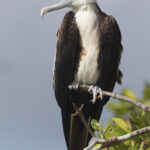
(127, 119)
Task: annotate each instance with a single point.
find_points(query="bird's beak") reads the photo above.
(62, 4)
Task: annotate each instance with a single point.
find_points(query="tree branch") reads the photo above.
(116, 140)
(120, 97)
(113, 140)
(84, 121)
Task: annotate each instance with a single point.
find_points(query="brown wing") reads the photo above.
(66, 60)
(67, 57)
(109, 59)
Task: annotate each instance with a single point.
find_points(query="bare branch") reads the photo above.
(138, 104)
(103, 137)
(116, 140)
(84, 121)
(120, 97)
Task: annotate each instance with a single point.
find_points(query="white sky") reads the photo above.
(29, 116)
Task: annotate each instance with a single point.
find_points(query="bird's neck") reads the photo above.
(87, 6)
(88, 23)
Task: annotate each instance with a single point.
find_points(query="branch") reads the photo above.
(83, 120)
(103, 137)
(120, 97)
(113, 140)
(116, 140)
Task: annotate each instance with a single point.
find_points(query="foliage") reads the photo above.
(127, 119)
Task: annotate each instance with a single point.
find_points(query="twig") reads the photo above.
(84, 121)
(123, 98)
(103, 137)
(138, 104)
(116, 140)
(77, 112)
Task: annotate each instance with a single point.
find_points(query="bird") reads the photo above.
(88, 52)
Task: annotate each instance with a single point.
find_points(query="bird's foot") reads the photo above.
(95, 90)
(73, 86)
(79, 110)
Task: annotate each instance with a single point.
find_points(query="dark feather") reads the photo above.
(66, 63)
(109, 59)
(67, 57)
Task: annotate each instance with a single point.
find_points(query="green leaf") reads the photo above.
(95, 125)
(96, 146)
(146, 92)
(129, 118)
(122, 124)
(141, 146)
(113, 130)
(128, 93)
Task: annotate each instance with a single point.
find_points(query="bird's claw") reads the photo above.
(73, 86)
(95, 90)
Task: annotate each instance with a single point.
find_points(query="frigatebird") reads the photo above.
(88, 52)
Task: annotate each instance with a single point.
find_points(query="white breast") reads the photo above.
(88, 25)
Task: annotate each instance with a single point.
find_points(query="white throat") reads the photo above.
(88, 24)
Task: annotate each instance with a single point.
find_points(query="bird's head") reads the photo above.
(74, 4)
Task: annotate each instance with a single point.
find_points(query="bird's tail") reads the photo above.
(76, 135)
(79, 136)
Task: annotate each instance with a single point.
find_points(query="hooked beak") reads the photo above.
(62, 4)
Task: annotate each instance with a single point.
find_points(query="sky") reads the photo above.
(29, 115)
